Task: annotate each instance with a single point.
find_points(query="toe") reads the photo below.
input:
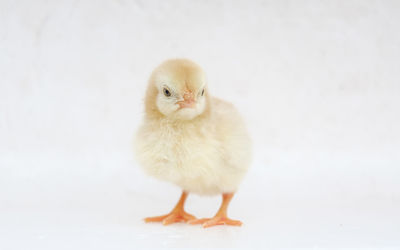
(221, 221)
(198, 221)
(155, 219)
(177, 217)
(233, 222)
(213, 222)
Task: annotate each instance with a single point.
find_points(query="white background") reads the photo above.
(317, 81)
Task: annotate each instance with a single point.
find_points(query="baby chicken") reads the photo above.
(191, 139)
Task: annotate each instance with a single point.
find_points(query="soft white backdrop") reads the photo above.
(317, 81)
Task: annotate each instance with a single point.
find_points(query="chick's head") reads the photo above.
(177, 90)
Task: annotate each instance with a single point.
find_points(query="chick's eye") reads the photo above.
(166, 92)
(202, 92)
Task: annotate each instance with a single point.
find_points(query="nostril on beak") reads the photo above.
(188, 96)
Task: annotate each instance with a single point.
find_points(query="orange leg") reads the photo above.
(221, 218)
(178, 214)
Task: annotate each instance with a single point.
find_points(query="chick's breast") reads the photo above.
(205, 156)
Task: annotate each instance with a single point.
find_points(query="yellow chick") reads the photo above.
(191, 139)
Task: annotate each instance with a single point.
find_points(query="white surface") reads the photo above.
(318, 83)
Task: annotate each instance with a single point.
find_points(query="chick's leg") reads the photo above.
(178, 214)
(221, 218)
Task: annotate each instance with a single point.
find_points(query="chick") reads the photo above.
(191, 139)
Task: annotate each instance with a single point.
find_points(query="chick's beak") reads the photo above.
(188, 100)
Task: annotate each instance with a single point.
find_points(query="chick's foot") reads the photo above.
(221, 218)
(178, 214)
(173, 217)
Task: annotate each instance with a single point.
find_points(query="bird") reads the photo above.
(191, 139)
